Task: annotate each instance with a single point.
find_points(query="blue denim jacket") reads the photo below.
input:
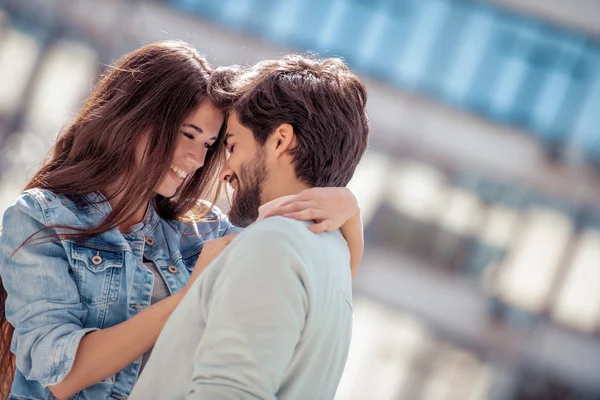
(60, 290)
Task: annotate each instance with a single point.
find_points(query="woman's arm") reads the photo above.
(353, 233)
(104, 352)
(44, 306)
(332, 208)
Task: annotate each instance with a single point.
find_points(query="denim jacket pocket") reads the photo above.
(97, 273)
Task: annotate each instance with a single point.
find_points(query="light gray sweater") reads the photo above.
(270, 318)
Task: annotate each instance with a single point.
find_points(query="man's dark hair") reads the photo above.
(322, 100)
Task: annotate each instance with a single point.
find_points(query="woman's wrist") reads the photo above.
(353, 201)
(179, 295)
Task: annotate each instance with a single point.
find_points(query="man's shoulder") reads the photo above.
(281, 232)
(278, 229)
(279, 223)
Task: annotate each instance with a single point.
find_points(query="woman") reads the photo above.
(109, 234)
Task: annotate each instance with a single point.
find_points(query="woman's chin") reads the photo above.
(167, 192)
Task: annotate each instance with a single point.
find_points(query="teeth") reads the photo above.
(180, 173)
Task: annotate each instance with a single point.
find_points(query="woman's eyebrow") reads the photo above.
(197, 129)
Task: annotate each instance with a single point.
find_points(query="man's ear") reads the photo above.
(282, 140)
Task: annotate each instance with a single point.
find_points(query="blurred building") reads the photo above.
(480, 192)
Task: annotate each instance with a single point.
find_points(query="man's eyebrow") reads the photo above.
(197, 129)
(227, 136)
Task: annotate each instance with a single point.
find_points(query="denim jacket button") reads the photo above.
(173, 269)
(150, 241)
(96, 260)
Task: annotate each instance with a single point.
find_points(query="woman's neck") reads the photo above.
(115, 197)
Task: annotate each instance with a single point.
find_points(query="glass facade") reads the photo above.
(510, 68)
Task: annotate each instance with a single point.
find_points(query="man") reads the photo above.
(271, 317)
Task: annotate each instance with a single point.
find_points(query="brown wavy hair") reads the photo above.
(321, 98)
(150, 90)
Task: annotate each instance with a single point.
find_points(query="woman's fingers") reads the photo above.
(290, 207)
(311, 194)
(301, 211)
(306, 215)
(323, 226)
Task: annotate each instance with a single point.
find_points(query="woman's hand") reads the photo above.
(331, 208)
(210, 251)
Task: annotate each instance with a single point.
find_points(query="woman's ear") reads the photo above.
(282, 140)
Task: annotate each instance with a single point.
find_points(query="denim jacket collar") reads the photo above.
(146, 226)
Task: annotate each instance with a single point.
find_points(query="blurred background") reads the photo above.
(480, 192)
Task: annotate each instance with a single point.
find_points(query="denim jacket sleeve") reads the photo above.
(43, 302)
(215, 225)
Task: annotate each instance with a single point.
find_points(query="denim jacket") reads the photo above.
(60, 290)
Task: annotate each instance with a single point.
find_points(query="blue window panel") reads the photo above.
(507, 100)
(550, 100)
(325, 40)
(484, 81)
(545, 111)
(511, 40)
(256, 15)
(283, 17)
(504, 96)
(586, 130)
(540, 62)
(412, 66)
(374, 35)
(207, 8)
(309, 24)
(573, 100)
(571, 46)
(558, 104)
(348, 27)
(395, 29)
(236, 13)
(469, 54)
(445, 50)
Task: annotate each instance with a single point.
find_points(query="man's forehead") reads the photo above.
(233, 118)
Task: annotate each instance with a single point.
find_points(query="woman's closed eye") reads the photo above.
(189, 135)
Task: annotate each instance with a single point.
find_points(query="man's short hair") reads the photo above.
(321, 99)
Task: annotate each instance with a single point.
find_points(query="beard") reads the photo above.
(247, 197)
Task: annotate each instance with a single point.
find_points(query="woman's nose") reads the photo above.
(197, 155)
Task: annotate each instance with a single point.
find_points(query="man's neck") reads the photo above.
(279, 195)
(287, 188)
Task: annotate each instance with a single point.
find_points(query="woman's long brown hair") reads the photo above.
(150, 90)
